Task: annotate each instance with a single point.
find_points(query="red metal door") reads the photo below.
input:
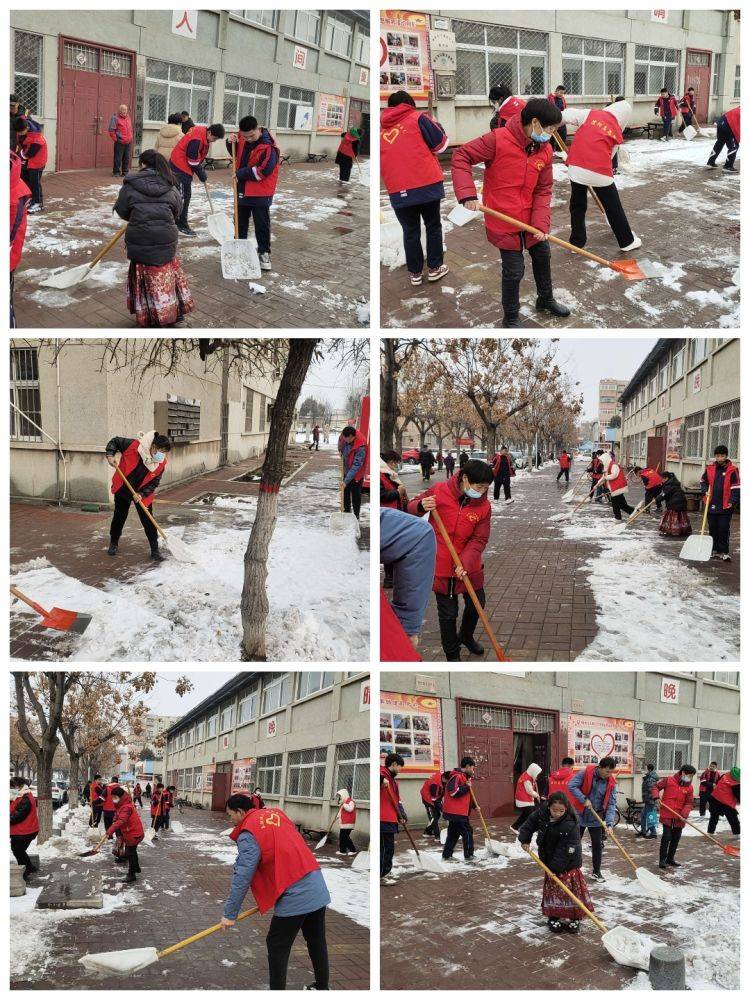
(698, 75)
(656, 452)
(115, 88)
(220, 790)
(493, 778)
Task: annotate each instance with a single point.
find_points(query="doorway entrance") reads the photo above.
(222, 787)
(698, 75)
(94, 80)
(656, 449)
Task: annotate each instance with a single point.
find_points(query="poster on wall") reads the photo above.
(404, 54)
(303, 118)
(331, 112)
(208, 777)
(242, 775)
(591, 737)
(411, 725)
(674, 440)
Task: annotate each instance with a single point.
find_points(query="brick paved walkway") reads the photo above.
(182, 889)
(492, 935)
(320, 253)
(686, 214)
(539, 599)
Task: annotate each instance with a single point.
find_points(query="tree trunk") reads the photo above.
(44, 798)
(490, 445)
(254, 603)
(388, 396)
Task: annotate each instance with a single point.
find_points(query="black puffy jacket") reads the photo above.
(558, 843)
(674, 495)
(151, 207)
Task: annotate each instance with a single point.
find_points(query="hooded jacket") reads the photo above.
(410, 142)
(151, 207)
(617, 481)
(598, 137)
(677, 796)
(558, 782)
(167, 138)
(347, 810)
(558, 841)
(127, 822)
(527, 792)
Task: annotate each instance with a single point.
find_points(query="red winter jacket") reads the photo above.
(263, 153)
(651, 478)
(724, 791)
(395, 646)
(406, 161)
(467, 522)
(564, 460)
(517, 182)
(30, 823)
(666, 107)
(675, 795)
(36, 141)
(159, 803)
(19, 199)
(594, 142)
(511, 106)
(120, 128)
(109, 805)
(129, 459)
(558, 782)
(346, 146)
(497, 461)
(127, 823)
(388, 812)
(733, 121)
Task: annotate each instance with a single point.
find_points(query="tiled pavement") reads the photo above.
(539, 601)
(480, 926)
(320, 254)
(182, 889)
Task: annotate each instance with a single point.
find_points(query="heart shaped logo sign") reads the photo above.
(602, 746)
(390, 136)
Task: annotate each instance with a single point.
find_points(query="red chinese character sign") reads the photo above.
(299, 57)
(404, 54)
(185, 23)
(670, 691)
(591, 737)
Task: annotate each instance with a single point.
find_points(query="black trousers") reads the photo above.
(433, 818)
(387, 845)
(651, 494)
(513, 271)
(613, 210)
(563, 472)
(620, 504)
(279, 941)
(345, 167)
(725, 137)
(96, 816)
(353, 498)
(139, 800)
(719, 523)
(134, 866)
(411, 217)
(186, 188)
(123, 500)
(121, 162)
(596, 834)
(108, 817)
(426, 471)
(19, 845)
(503, 481)
(687, 119)
(562, 131)
(447, 609)
(159, 823)
(34, 180)
(345, 840)
(521, 817)
(459, 827)
(716, 811)
(670, 838)
(261, 216)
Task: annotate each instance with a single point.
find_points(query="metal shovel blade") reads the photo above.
(343, 523)
(120, 962)
(627, 947)
(239, 259)
(697, 548)
(66, 279)
(220, 227)
(361, 861)
(653, 885)
(66, 621)
(430, 864)
(459, 216)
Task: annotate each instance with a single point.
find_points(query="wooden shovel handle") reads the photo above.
(335, 817)
(210, 203)
(704, 520)
(469, 587)
(27, 600)
(201, 934)
(405, 827)
(567, 891)
(234, 188)
(142, 505)
(695, 826)
(553, 239)
(108, 246)
(481, 814)
(622, 850)
(637, 514)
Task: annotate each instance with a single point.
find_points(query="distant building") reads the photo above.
(609, 395)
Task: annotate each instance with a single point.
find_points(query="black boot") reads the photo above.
(129, 878)
(156, 555)
(672, 863)
(471, 644)
(112, 550)
(712, 160)
(511, 322)
(454, 656)
(552, 307)
(730, 167)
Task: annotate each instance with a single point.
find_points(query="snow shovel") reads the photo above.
(502, 658)
(219, 225)
(135, 959)
(730, 849)
(361, 862)
(698, 548)
(58, 618)
(568, 496)
(175, 826)
(493, 847)
(568, 514)
(239, 258)
(176, 546)
(149, 835)
(95, 850)
(426, 863)
(622, 525)
(343, 521)
(627, 947)
(327, 834)
(75, 275)
(653, 885)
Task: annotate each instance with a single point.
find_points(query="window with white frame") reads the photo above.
(267, 18)
(171, 88)
(652, 388)
(249, 405)
(290, 99)
(353, 768)
(243, 96)
(25, 394)
(678, 363)
(489, 55)
(664, 375)
(667, 747)
(27, 70)
(226, 718)
(277, 690)
(306, 26)
(726, 677)
(247, 710)
(200, 731)
(189, 737)
(724, 428)
(269, 774)
(692, 435)
(717, 74)
(339, 31)
(592, 66)
(306, 773)
(211, 725)
(717, 745)
(311, 681)
(362, 47)
(655, 67)
(737, 88)
(697, 351)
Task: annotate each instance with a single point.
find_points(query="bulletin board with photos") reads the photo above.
(591, 737)
(411, 725)
(404, 54)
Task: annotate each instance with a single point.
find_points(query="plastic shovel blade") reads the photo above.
(239, 259)
(620, 527)
(495, 849)
(627, 947)
(459, 216)
(66, 279)
(66, 621)
(689, 132)
(361, 861)
(732, 850)
(653, 885)
(322, 841)
(120, 962)
(443, 836)
(149, 835)
(565, 516)
(343, 523)
(567, 497)
(629, 269)
(431, 864)
(176, 827)
(179, 550)
(220, 227)
(697, 548)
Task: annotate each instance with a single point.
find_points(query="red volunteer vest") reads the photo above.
(510, 107)
(386, 483)
(179, 158)
(128, 461)
(19, 197)
(130, 827)
(667, 106)
(284, 856)
(29, 825)
(619, 482)
(565, 461)
(39, 160)
(346, 146)
(434, 779)
(388, 813)
(348, 820)
(733, 121)
(588, 781)
(708, 777)
(125, 127)
(406, 161)
(651, 478)
(266, 186)
(395, 646)
(109, 805)
(711, 476)
(521, 794)
(158, 804)
(558, 782)
(724, 791)
(457, 805)
(596, 469)
(594, 141)
(360, 441)
(510, 180)
(552, 98)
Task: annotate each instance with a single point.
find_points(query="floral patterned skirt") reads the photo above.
(555, 903)
(158, 295)
(675, 523)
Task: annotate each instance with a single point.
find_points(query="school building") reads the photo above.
(302, 73)
(299, 735)
(683, 400)
(506, 721)
(449, 59)
(68, 400)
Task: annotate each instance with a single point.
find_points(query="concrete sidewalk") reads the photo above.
(320, 254)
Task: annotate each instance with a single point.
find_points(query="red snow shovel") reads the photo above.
(730, 849)
(57, 618)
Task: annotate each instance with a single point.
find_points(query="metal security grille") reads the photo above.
(692, 435)
(306, 773)
(24, 394)
(269, 774)
(81, 57)
(667, 747)
(485, 717)
(719, 746)
(171, 88)
(353, 768)
(724, 427)
(27, 78)
(291, 98)
(592, 66)
(655, 68)
(533, 722)
(115, 63)
(488, 55)
(243, 96)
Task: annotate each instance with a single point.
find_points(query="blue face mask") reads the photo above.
(474, 494)
(541, 136)
(158, 456)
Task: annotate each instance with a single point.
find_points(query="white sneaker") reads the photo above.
(265, 261)
(438, 273)
(510, 500)
(632, 246)
(34, 208)
(416, 279)
(663, 139)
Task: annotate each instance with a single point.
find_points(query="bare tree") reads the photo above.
(394, 353)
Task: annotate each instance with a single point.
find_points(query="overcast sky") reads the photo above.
(588, 361)
(163, 700)
(327, 381)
